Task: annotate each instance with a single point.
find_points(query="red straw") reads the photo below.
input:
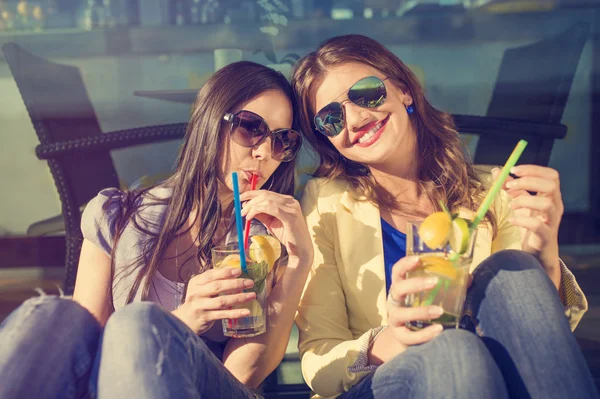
(253, 181)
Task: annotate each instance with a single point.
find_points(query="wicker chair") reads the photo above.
(77, 151)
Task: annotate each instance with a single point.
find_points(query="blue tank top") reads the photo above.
(394, 249)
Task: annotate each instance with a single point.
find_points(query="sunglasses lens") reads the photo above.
(368, 92)
(248, 129)
(330, 120)
(286, 144)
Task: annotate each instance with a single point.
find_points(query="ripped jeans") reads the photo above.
(51, 347)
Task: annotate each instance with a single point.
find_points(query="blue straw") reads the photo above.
(238, 220)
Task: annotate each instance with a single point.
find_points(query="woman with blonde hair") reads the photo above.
(387, 157)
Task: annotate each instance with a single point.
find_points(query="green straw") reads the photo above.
(487, 202)
(432, 294)
(489, 198)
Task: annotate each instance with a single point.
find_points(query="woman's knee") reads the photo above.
(142, 341)
(512, 275)
(134, 336)
(509, 260)
(52, 312)
(452, 348)
(133, 322)
(459, 360)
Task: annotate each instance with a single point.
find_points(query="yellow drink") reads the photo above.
(450, 267)
(449, 293)
(255, 323)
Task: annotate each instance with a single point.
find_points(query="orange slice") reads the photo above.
(435, 230)
(439, 266)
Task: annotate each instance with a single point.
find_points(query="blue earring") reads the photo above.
(410, 109)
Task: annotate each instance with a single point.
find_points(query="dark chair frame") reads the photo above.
(59, 153)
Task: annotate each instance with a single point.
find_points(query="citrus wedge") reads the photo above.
(254, 307)
(435, 229)
(264, 248)
(438, 266)
(459, 237)
(231, 261)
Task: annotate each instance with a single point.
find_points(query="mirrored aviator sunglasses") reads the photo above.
(368, 92)
(249, 130)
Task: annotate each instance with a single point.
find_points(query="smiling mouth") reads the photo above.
(366, 137)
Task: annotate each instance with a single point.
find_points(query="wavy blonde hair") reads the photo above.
(445, 174)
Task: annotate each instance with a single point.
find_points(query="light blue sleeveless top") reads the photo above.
(99, 223)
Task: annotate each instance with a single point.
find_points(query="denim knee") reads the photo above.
(45, 312)
(455, 363)
(51, 304)
(472, 363)
(514, 273)
(509, 260)
(145, 330)
(458, 349)
(131, 338)
(127, 326)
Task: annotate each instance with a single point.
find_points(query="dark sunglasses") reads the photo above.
(249, 130)
(368, 92)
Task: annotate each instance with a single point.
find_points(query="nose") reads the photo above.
(356, 117)
(262, 151)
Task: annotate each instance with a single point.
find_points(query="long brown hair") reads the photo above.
(444, 172)
(194, 183)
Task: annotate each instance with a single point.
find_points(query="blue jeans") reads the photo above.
(148, 353)
(47, 350)
(52, 347)
(514, 342)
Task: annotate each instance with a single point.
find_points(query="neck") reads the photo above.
(402, 187)
(399, 177)
(225, 195)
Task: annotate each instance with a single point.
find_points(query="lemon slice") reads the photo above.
(266, 249)
(459, 238)
(435, 229)
(231, 261)
(254, 307)
(439, 266)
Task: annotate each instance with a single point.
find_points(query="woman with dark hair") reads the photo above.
(388, 157)
(146, 297)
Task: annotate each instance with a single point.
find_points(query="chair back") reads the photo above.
(533, 85)
(60, 110)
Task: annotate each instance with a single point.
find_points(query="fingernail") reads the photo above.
(248, 283)
(511, 184)
(495, 170)
(236, 271)
(431, 281)
(436, 311)
(412, 259)
(438, 328)
(250, 295)
(514, 170)
(245, 312)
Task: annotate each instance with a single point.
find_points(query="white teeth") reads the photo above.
(367, 136)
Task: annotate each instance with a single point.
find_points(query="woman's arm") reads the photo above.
(93, 281)
(330, 351)
(509, 236)
(251, 360)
